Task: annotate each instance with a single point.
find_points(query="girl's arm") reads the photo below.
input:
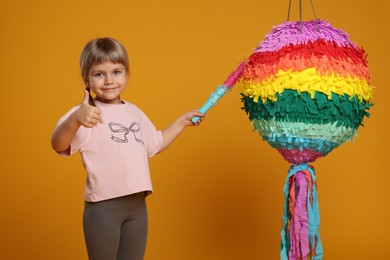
(64, 133)
(174, 130)
(86, 115)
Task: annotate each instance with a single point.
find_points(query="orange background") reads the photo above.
(218, 189)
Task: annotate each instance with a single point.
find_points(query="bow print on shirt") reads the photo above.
(119, 128)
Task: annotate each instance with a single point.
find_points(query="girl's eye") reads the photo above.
(117, 72)
(99, 75)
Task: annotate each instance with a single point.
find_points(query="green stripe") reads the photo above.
(292, 106)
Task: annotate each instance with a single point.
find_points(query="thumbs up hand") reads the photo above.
(87, 115)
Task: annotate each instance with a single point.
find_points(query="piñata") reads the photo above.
(306, 89)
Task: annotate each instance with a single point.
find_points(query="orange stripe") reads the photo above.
(324, 66)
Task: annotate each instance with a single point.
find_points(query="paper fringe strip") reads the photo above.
(290, 33)
(326, 57)
(292, 106)
(307, 80)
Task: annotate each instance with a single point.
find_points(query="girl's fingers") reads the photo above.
(96, 117)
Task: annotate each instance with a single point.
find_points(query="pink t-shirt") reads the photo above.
(115, 153)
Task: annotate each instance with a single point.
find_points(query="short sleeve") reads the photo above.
(152, 137)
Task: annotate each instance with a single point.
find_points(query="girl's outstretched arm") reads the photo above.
(85, 115)
(174, 130)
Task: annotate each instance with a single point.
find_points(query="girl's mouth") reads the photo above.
(109, 89)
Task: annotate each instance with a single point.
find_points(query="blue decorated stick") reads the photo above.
(220, 91)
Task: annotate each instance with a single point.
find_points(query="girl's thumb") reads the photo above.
(86, 97)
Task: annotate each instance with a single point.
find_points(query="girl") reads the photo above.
(115, 139)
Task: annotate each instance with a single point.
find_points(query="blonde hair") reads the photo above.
(102, 50)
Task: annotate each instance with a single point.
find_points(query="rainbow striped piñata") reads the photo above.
(306, 89)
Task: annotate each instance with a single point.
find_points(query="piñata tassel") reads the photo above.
(301, 218)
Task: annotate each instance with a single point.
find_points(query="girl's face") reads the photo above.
(108, 80)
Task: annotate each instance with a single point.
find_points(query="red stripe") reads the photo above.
(318, 48)
(297, 156)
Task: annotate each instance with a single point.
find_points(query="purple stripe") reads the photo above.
(288, 33)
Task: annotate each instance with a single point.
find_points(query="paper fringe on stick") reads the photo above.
(301, 218)
(220, 91)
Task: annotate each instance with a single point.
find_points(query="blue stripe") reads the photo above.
(321, 146)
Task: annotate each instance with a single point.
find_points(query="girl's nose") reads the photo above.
(108, 80)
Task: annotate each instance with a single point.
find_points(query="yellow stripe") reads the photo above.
(308, 81)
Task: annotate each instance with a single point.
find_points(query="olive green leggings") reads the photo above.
(116, 229)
